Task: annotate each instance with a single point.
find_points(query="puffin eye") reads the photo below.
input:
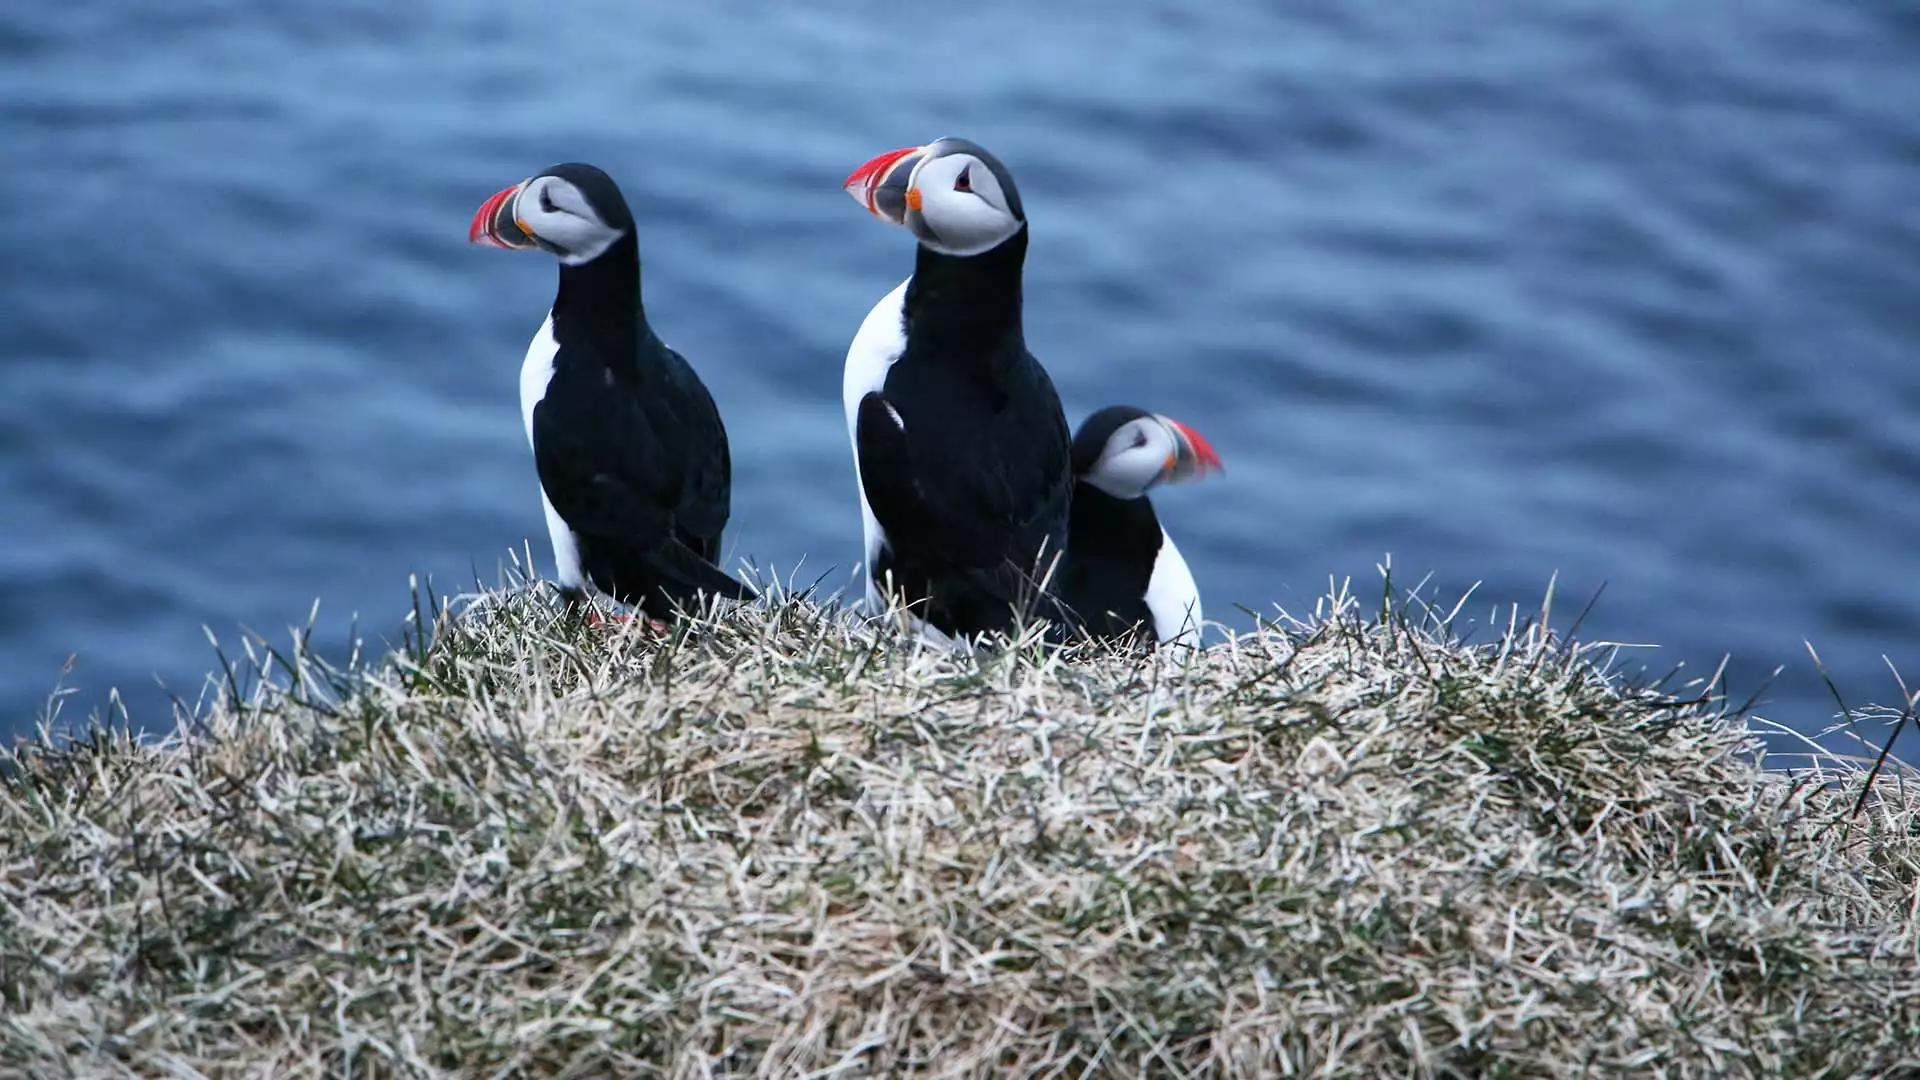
(546, 201)
(1139, 440)
(964, 182)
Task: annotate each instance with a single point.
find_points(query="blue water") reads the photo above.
(1623, 290)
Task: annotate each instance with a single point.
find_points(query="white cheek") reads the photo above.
(1128, 474)
(582, 241)
(1141, 467)
(585, 242)
(540, 222)
(965, 224)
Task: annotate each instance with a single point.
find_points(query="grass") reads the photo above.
(783, 843)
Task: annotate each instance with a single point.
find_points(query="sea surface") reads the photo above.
(1613, 293)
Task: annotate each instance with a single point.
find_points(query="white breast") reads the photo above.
(535, 372)
(881, 340)
(1172, 596)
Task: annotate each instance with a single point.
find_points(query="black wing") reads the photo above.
(611, 477)
(964, 520)
(1109, 562)
(994, 455)
(973, 494)
(680, 399)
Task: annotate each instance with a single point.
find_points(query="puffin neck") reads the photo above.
(599, 301)
(967, 303)
(1099, 523)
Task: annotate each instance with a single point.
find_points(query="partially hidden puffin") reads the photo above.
(960, 445)
(632, 457)
(1122, 572)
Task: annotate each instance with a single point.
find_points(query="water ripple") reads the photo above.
(1594, 289)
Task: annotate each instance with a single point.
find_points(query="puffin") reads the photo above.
(1122, 574)
(632, 459)
(961, 448)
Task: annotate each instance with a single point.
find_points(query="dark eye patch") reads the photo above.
(1139, 440)
(964, 182)
(546, 201)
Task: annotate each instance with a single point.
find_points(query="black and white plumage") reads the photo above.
(960, 445)
(635, 477)
(1122, 571)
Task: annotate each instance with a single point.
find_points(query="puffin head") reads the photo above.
(1123, 451)
(573, 211)
(955, 196)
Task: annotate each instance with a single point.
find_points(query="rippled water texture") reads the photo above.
(1629, 291)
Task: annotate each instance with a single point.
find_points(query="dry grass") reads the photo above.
(782, 844)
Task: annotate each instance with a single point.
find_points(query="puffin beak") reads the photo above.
(1193, 456)
(881, 184)
(497, 222)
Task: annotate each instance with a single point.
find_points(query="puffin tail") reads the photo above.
(689, 572)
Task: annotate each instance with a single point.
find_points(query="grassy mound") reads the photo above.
(783, 844)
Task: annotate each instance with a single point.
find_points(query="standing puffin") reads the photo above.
(960, 445)
(1122, 570)
(632, 457)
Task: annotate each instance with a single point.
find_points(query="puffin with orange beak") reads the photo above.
(960, 445)
(635, 477)
(1122, 572)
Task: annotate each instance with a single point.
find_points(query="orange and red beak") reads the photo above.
(1193, 455)
(497, 222)
(881, 184)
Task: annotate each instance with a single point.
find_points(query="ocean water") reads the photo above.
(1622, 291)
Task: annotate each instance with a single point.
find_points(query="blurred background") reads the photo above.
(1620, 289)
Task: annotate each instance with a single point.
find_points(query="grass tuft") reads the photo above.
(781, 842)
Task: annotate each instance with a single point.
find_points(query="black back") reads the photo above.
(977, 485)
(1112, 545)
(628, 443)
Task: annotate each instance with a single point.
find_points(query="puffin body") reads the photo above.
(635, 477)
(1122, 573)
(960, 445)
